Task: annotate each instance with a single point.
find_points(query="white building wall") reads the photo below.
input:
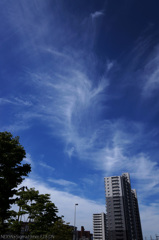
(99, 226)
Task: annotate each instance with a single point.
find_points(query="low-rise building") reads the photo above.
(84, 235)
(99, 226)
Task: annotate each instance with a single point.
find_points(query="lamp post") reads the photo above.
(76, 204)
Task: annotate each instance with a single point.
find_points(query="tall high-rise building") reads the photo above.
(99, 226)
(123, 218)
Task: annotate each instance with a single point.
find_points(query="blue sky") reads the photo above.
(79, 85)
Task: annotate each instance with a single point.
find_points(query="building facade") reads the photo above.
(123, 218)
(99, 226)
(84, 235)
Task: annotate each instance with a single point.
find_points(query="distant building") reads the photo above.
(137, 215)
(99, 226)
(123, 218)
(84, 235)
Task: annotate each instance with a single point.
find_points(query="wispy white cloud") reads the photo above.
(144, 168)
(16, 126)
(88, 181)
(149, 219)
(151, 75)
(70, 100)
(43, 164)
(28, 159)
(109, 65)
(62, 182)
(97, 14)
(4, 100)
(15, 101)
(56, 53)
(70, 151)
(145, 171)
(144, 65)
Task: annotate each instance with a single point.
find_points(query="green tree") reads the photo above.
(12, 173)
(61, 230)
(40, 211)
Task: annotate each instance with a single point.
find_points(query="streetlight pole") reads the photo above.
(76, 204)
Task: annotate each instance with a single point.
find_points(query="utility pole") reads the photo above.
(74, 234)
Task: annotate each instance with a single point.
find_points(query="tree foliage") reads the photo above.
(62, 231)
(41, 216)
(40, 211)
(12, 172)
